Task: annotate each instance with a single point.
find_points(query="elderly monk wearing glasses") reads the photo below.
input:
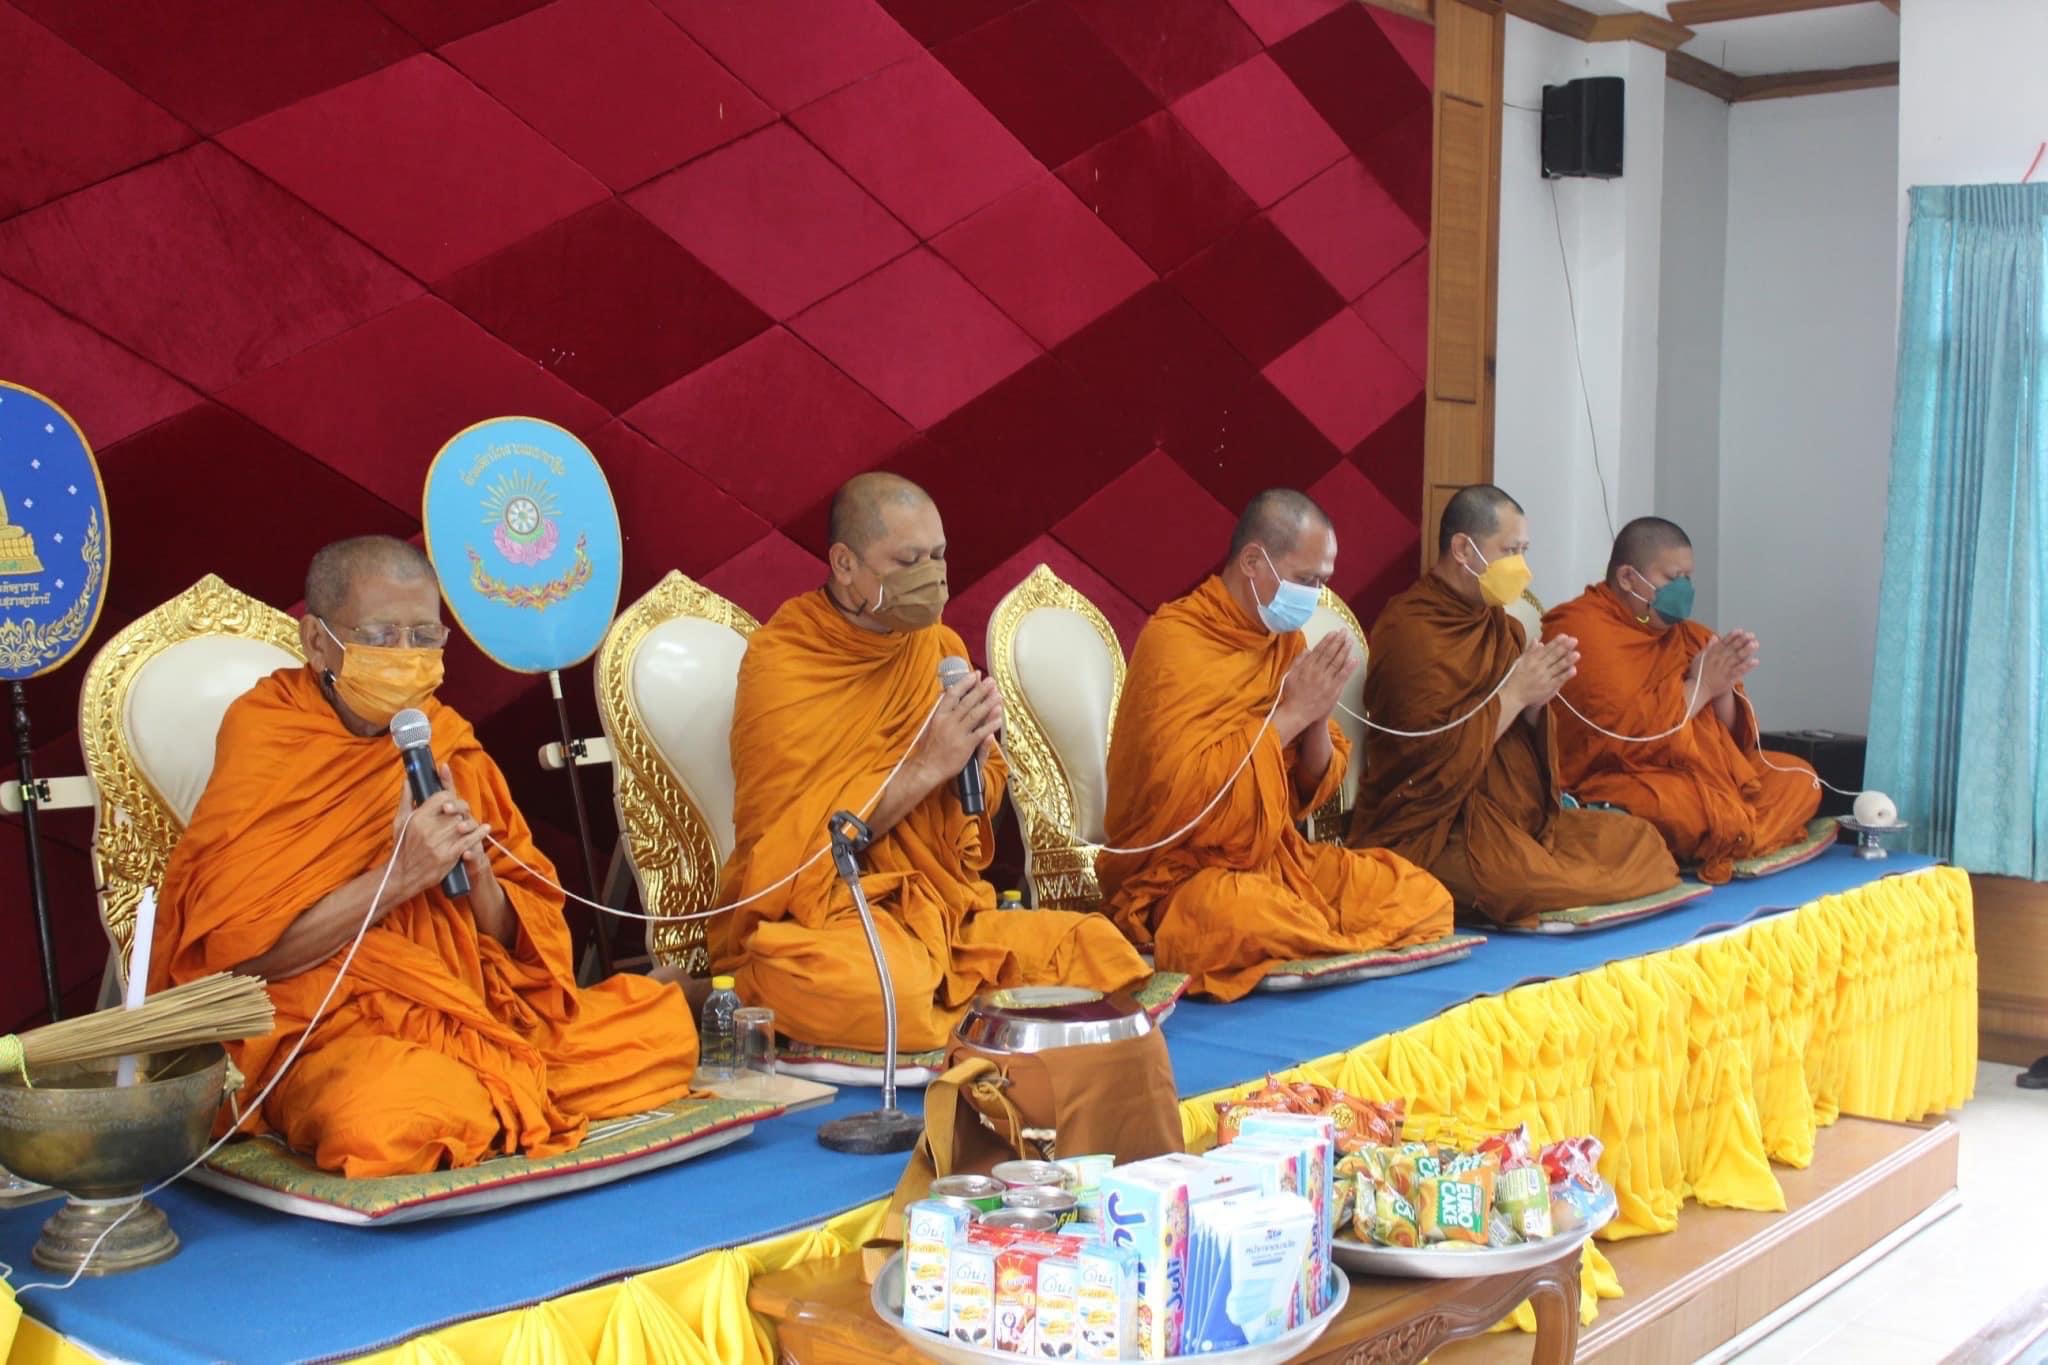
(459, 1032)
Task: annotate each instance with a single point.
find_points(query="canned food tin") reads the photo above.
(1059, 1203)
(980, 1191)
(1018, 1175)
(1021, 1220)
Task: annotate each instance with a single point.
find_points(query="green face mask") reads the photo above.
(1673, 601)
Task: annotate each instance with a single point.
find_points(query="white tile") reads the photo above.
(1869, 1346)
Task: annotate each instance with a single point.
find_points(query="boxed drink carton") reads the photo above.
(1059, 1328)
(1145, 1209)
(971, 1296)
(931, 1231)
(1106, 1303)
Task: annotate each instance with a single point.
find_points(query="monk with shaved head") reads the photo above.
(457, 1032)
(1471, 790)
(1690, 762)
(840, 707)
(1223, 741)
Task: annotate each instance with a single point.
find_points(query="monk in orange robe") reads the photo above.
(1709, 788)
(1478, 805)
(1244, 890)
(840, 708)
(456, 1031)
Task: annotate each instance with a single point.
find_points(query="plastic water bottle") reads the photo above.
(718, 1039)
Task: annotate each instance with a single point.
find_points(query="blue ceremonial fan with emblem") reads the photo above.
(54, 546)
(523, 532)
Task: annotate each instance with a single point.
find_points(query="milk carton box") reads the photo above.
(1106, 1303)
(1245, 1262)
(931, 1231)
(1016, 1330)
(1059, 1328)
(971, 1296)
(1314, 1140)
(1145, 1209)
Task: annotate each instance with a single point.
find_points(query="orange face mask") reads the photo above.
(377, 682)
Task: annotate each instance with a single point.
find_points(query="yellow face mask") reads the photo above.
(1505, 579)
(377, 682)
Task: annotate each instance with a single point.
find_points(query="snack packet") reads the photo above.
(1393, 1219)
(1511, 1148)
(1522, 1199)
(1574, 1159)
(1456, 1204)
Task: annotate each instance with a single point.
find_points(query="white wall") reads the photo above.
(1806, 394)
(1543, 454)
(1693, 268)
(1973, 99)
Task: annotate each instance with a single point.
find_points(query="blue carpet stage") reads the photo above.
(251, 1285)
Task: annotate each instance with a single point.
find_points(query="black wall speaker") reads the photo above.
(1582, 128)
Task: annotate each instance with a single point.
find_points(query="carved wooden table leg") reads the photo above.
(1554, 1294)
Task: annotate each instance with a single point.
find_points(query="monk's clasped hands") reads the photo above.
(969, 716)
(437, 836)
(1546, 666)
(1725, 661)
(1313, 685)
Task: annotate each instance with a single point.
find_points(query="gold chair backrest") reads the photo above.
(148, 712)
(666, 676)
(1061, 671)
(1332, 822)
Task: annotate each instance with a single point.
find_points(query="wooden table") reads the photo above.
(821, 1315)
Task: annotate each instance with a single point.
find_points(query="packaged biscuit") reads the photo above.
(1393, 1219)
(1456, 1205)
(931, 1230)
(1522, 1198)
(971, 1296)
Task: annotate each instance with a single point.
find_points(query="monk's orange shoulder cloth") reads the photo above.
(823, 713)
(296, 807)
(1201, 682)
(1631, 680)
(1435, 657)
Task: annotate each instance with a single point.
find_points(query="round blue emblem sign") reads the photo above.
(523, 532)
(54, 546)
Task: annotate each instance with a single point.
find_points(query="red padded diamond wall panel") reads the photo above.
(775, 218)
(614, 83)
(793, 51)
(1093, 271)
(88, 124)
(779, 457)
(200, 264)
(215, 63)
(916, 140)
(420, 164)
(607, 301)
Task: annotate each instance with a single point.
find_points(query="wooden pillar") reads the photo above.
(1464, 253)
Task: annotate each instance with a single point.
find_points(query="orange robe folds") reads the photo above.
(824, 711)
(1482, 814)
(1244, 890)
(440, 1047)
(1706, 790)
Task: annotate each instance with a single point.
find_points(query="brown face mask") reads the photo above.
(913, 598)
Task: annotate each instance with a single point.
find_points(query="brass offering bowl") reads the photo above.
(103, 1144)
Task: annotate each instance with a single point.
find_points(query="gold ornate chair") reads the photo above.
(1061, 671)
(666, 676)
(148, 714)
(1332, 823)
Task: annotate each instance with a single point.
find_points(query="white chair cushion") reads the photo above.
(1068, 677)
(684, 676)
(172, 712)
(1523, 610)
(1353, 696)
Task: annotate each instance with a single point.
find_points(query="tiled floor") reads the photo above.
(1931, 1293)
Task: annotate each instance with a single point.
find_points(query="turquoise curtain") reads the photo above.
(1956, 723)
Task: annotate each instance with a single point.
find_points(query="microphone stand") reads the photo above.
(887, 1129)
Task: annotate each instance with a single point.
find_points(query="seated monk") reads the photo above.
(1478, 805)
(834, 691)
(457, 1032)
(1244, 890)
(1708, 788)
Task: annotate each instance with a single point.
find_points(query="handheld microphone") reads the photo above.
(954, 670)
(413, 733)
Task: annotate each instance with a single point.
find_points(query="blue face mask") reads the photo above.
(1292, 604)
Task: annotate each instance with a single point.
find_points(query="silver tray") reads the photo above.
(1424, 1263)
(887, 1299)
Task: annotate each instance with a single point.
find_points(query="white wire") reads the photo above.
(1692, 708)
(1818, 780)
(772, 887)
(255, 1105)
(1371, 724)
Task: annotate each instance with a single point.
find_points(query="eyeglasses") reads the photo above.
(390, 637)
